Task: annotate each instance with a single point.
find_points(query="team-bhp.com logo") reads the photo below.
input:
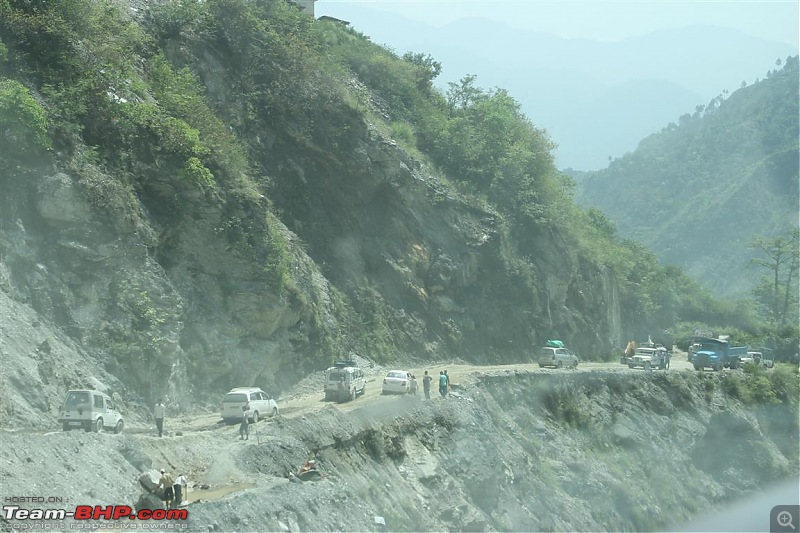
(92, 512)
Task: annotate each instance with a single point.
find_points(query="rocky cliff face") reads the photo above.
(187, 282)
(420, 273)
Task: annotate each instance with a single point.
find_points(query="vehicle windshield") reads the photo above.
(396, 374)
(709, 347)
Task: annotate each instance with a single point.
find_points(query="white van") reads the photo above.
(259, 404)
(90, 410)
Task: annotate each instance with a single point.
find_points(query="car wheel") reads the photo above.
(647, 365)
(560, 364)
(364, 390)
(274, 412)
(255, 417)
(119, 426)
(98, 426)
(353, 394)
(630, 365)
(698, 368)
(575, 364)
(65, 426)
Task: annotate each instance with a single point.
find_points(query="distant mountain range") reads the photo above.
(596, 99)
(697, 192)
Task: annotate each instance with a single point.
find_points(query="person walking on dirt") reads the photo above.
(167, 483)
(413, 384)
(158, 413)
(442, 384)
(426, 385)
(446, 383)
(244, 427)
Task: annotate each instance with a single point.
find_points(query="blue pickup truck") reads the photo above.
(717, 354)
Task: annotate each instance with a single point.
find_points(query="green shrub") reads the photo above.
(404, 132)
(23, 129)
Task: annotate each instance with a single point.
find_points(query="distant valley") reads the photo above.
(596, 99)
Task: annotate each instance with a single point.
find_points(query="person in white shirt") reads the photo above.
(158, 413)
(181, 490)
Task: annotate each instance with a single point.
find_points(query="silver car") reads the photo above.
(255, 401)
(557, 357)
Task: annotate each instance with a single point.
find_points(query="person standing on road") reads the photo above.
(244, 427)
(442, 384)
(158, 413)
(446, 383)
(179, 488)
(426, 385)
(667, 357)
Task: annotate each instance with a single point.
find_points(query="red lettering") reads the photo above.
(177, 514)
(103, 512)
(144, 514)
(121, 511)
(159, 514)
(83, 512)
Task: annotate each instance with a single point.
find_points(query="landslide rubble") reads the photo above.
(526, 451)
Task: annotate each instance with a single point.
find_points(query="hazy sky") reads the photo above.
(776, 20)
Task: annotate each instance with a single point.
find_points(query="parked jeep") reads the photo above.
(344, 381)
(649, 358)
(90, 410)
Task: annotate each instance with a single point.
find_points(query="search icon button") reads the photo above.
(784, 518)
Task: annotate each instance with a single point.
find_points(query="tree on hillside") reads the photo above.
(776, 292)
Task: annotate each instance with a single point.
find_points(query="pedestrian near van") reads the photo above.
(446, 383)
(180, 489)
(244, 427)
(158, 413)
(426, 385)
(442, 384)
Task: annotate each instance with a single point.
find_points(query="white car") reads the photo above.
(397, 382)
(259, 404)
(90, 410)
(557, 357)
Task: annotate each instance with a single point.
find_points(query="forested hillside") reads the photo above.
(202, 195)
(699, 192)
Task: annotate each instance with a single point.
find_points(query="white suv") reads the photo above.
(557, 357)
(90, 410)
(259, 404)
(344, 381)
